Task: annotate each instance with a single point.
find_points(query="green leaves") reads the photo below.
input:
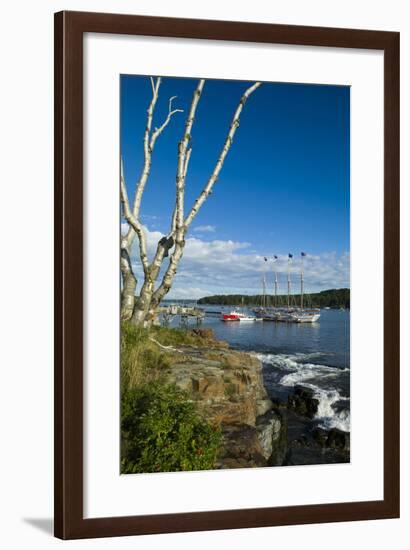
(161, 431)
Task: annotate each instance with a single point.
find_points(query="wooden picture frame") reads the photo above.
(69, 30)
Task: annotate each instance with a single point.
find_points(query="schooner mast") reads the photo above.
(276, 281)
(264, 291)
(264, 297)
(290, 256)
(302, 254)
(295, 314)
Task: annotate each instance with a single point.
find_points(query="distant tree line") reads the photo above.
(334, 298)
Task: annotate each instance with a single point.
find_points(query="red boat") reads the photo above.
(232, 316)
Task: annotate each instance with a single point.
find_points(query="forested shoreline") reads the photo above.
(333, 298)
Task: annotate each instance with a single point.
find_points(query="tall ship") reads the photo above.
(288, 314)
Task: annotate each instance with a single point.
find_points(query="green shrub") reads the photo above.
(161, 431)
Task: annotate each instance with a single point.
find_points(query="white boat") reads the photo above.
(304, 316)
(247, 318)
(237, 316)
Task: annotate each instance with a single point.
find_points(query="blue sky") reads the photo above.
(284, 186)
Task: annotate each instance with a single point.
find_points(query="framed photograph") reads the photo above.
(227, 275)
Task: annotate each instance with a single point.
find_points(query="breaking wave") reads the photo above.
(328, 416)
(285, 361)
(298, 371)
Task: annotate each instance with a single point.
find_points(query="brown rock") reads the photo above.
(228, 388)
(241, 448)
(229, 412)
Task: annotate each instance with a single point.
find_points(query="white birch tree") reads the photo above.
(141, 307)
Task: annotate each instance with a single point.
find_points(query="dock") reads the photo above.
(185, 314)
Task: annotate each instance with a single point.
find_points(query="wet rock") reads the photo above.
(320, 436)
(303, 402)
(278, 403)
(337, 439)
(302, 441)
(332, 439)
(301, 456)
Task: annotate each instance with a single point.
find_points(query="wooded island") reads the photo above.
(334, 298)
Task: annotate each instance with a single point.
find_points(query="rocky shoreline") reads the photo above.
(257, 430)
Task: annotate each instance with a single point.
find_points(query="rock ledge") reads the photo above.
(228, 388)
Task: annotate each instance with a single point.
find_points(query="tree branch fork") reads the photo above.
(149, 297)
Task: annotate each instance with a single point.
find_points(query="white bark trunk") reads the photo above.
(149, 301)
(129, 285)
(132, 216)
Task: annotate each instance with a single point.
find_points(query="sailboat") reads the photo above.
(300, 315)
(269, 313)
(289, 314)
(261, 310)
(285, 314)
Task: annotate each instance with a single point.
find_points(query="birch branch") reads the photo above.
(133, 222)
(147, 149)
(187, 158)
(184, 154)
(178, 215)
(225, 149)
(177, 224)
(158, 131)
(174, 215)
(149, 144)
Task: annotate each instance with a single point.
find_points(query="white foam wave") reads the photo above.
(287, 362)
(328, 416)
(307, 371)
(298, 372)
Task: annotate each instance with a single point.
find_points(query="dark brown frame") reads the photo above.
(69, 30)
